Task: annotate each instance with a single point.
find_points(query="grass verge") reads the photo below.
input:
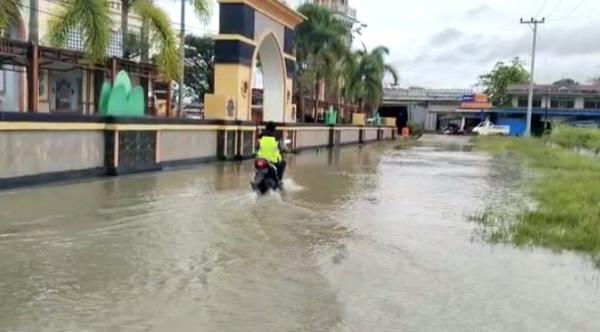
(576, 138)
(567, 192)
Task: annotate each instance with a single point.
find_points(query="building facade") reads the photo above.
(63, 87)
(573, 103)
(429, 108)
(342, 10)
(556, 97)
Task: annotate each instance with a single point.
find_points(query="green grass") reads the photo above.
(576, 138)
(566, 189)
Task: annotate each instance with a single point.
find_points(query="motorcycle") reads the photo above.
(452, 130)
(265, 177)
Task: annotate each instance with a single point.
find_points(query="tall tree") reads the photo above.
(364, 75)
(565, 82)
(502, 75)
(200, 64)
(594, 80)
(9, 10)
(162, 36)
(131, 41)
(321, 43)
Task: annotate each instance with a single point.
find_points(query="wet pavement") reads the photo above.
(364, 239)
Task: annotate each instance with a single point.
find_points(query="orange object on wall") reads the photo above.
(405, 132)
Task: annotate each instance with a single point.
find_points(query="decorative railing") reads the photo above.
(13, 52)
(425, 93)
(342, 9)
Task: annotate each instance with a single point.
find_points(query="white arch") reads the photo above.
(273, 70)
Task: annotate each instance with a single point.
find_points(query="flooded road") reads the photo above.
(371, 239)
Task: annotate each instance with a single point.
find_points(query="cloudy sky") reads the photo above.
(447, 44)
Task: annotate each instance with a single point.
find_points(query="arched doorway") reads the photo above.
(255, 31)
(269, 80)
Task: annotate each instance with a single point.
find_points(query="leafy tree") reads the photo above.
(497, 81)
(565, 82)
(9, 10)
(200, 64)
(594, 80)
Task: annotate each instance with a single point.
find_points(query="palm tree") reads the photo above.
(9, 10)
(201, 8)
(160, 31)
(92, 18)
(364, 74)
(321, 43)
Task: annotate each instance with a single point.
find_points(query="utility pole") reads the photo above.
(535, 23)
(182, 74)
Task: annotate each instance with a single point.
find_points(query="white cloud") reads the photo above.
(440, 43)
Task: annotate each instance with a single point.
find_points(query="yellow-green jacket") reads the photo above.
(269, 150)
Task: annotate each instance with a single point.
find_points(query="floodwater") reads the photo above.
(371, 239)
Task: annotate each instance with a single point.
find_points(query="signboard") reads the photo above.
(481, 98)
(468, 98)
(475, 101)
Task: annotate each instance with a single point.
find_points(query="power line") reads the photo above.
(498, 36)
(542, 8)
(572, 11)
(555, 8)
(535, 23)
(194, 28)
(41, 11)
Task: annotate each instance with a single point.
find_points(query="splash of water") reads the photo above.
(290, 185)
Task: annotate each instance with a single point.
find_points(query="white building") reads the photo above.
(341, 8)
(425, 107)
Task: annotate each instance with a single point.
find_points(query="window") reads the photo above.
(591, 104)
(74, 40)
(523, 102)
(562, 103)
(115, 47)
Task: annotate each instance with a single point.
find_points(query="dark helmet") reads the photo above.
(270, 126)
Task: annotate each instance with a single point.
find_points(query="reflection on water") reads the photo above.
(371, 238)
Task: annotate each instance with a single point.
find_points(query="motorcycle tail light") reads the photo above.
(261, 164)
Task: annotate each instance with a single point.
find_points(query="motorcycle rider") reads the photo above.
(270, 147)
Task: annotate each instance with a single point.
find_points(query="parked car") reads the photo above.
(487, 128)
